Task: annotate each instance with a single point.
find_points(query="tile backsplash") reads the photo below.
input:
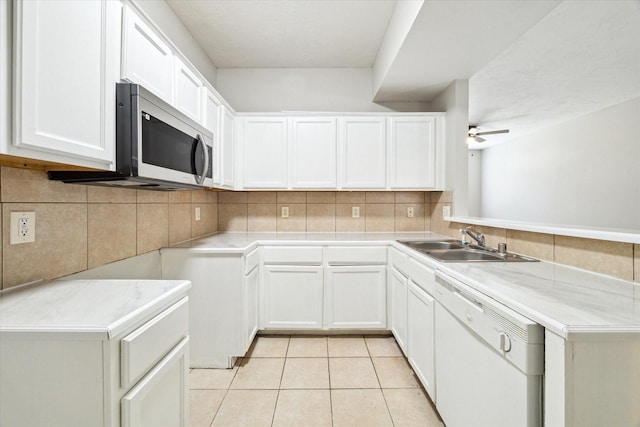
(80, 227)
(323, 211)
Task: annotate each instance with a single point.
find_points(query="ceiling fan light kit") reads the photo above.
(475, 134)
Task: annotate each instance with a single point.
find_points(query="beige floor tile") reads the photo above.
(347, 347)
(394, 372)
(269, 347)
(258, 373)
(250, 408)
(411, 407)
(309, 408)
(352, 372)
(383, 347)
(359, 408)
(211, 378)
(203, 405)
(307, 373)
(307, 347)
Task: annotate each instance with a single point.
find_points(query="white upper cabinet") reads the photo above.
(147, 59)
(313, 146)
(264, 152)
(189, 90)
(213, 122)
(65, 70)
(362, 145)
(412, 153)
(227, 148)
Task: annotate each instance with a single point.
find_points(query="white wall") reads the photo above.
(5, 60)
(162, 15)
(583, 172)
(454, 100)
(402, 20)
(302, 89)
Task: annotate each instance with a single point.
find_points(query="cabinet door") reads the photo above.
(313, 143)
(251, 283)
(160, 398)
(356, 297)
(265, 152)
(293, 297)
(66, 66)
(362, 146)
(147, 59)
(227, 155)
(188, 91)
(412, 152)
(420, 336)
(398, 306)
(213, 122)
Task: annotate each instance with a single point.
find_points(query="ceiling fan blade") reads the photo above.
(478, 139)
(493, 132)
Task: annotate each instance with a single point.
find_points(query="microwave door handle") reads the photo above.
(205, 169)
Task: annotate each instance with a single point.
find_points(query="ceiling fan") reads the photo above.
(475, 134)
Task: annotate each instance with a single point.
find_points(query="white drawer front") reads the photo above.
(422, 276)
(145, 346)
(356, 255)
(287, 255)
(251, 261)
(398, 260)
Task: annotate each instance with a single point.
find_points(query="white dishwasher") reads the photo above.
(489, 360)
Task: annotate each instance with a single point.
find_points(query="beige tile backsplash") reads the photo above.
(81, 227)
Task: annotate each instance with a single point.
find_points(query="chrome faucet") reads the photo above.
(478, 237)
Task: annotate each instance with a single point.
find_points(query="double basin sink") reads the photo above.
(456, 251)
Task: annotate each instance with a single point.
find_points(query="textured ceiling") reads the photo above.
(582, 57)
(287, 33)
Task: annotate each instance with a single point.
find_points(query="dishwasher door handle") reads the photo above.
(469, 300)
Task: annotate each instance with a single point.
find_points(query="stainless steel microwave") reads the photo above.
(157, 147)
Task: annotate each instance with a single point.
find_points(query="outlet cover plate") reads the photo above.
(23, 227)
(355, 212)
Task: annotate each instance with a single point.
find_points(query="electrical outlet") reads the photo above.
(197, 214)
(23, 227)
(410, 212)
(446, 211)
(285, 212)
(355, 212)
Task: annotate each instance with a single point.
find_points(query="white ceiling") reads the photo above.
(287, 33)
(529, 63)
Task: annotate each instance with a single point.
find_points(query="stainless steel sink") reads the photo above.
(455, 251)
(435, 245)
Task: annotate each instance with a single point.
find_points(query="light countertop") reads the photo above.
(100, 309)
(568, 301)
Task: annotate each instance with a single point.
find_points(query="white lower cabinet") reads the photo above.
(222, 290)
(251, 289)
(293, 297)
(420, 336)
(356, 297)
(79, 375)
(398, 307)
(158, 399)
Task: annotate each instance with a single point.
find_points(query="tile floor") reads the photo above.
(313, 381)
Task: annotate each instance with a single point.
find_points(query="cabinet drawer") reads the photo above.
(422, 276)
(251, 261)
(145, 346)
(356, 255)
(398, 260)
(306, 255)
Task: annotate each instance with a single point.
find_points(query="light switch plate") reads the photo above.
(355, 212)
(446, 211)
(23, 227)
